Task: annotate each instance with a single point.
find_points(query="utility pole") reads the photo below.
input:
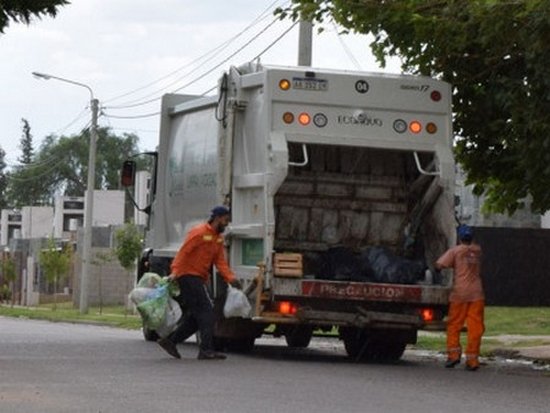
(89, 195)
(304, 43)
(88, 214)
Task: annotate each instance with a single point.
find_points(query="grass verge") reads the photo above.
(115, 316)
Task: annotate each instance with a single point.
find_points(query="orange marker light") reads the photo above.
(415, 126)
(288, 117)
(284, 84)
(304, 118)
(431, 128)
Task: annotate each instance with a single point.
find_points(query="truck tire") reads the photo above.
(299, 336)
(240, 345)
(361, 345)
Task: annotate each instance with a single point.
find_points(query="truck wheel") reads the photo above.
(362, 346)
(354, 340)
(299, 336)
(240, 345)
(387, 351)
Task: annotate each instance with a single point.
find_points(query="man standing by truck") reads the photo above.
(190, 269)
(466, 301)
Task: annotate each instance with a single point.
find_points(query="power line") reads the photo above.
(205, 73)
(346, 48)
(211, 53)
(148, 115)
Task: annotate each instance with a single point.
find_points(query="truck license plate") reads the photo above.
(360, 291)
(309, 83)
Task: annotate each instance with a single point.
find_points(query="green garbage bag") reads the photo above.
(153, 309)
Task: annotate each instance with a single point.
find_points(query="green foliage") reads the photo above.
(3, 179)
(9, 275)
(495, 54)
(8, 269)
(129, 244)
(55, 263)
(30, 191)
(27, 150)
(5, 292)
(22, 11)
(61, 166)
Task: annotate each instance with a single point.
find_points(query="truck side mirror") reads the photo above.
(128, 173)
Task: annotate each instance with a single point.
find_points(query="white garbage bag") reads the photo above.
(236, 304)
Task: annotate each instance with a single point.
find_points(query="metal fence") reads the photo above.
(516, 265)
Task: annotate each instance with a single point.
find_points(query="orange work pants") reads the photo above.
(471, 313)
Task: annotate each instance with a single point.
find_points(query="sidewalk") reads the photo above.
(535, 348)
(512, 346)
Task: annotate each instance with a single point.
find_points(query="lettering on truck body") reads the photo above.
(361, 291)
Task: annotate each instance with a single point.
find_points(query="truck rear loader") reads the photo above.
(341, 190)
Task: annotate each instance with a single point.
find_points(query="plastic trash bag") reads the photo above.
(141, 294)
(236, 304)
(171, 317)
(149, 280)
(158, 310)
(153, 309)
(389, 268)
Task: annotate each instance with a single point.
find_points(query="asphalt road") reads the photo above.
(52, 367)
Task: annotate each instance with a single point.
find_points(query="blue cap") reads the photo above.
(465, 232)
(219, 211)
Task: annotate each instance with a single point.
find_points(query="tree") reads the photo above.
(30, 190)
(61, 166)
(22, 11)
(10, 275)
(494, 54)
(3, 179)
(27, 151)
(55, 264)
(128, 247)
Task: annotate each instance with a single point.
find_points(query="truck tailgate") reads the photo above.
(361, 291)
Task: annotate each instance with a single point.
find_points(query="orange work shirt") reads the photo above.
(465, 260)
(203, 247)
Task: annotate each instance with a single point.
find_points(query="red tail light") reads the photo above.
(427, 314)
(286, 307)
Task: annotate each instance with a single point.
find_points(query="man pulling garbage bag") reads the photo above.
(202, 248)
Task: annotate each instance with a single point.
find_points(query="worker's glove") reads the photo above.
(236, 284)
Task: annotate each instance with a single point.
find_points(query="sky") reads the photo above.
(130, 52)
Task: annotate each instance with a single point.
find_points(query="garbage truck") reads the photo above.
(341, 191)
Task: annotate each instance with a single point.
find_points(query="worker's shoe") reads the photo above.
(471, 368)
(449, 364)
(211, 355)
(169, 347)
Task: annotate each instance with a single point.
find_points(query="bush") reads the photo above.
(5, 293)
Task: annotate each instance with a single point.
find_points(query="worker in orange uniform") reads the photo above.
(203, 247)
(466, 301)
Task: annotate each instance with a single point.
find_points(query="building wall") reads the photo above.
(62, 215)
(37, 222)
(109, 283)
(108, 208)
(9, 227)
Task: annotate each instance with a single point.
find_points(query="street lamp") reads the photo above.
(89, 198)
